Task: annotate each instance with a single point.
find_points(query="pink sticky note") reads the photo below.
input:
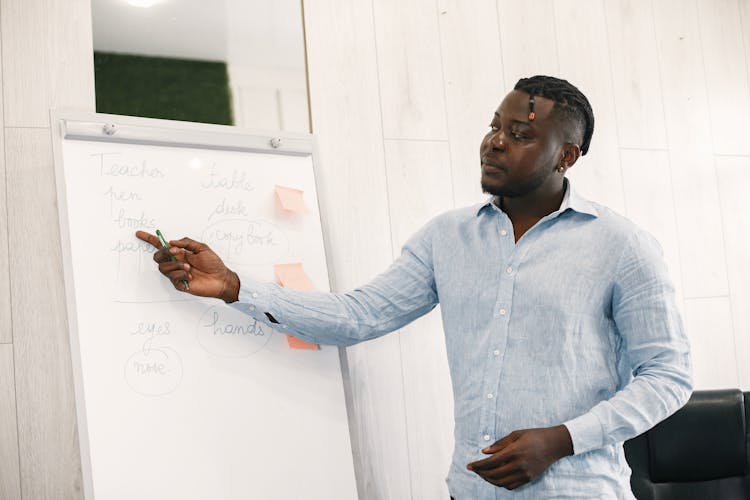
(291, 199)
(293, 276)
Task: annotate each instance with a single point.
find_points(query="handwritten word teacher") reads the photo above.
(560, 323)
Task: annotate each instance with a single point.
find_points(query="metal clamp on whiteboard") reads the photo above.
(276, 142)
(109, 128)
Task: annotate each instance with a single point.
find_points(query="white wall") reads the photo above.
(268, 98)
(266, 65)
(401, 93)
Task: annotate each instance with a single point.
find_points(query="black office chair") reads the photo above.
(700, 452)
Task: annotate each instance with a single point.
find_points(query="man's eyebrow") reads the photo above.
(522, 122)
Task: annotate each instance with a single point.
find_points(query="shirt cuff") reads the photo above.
(585, 432)
(255, 299)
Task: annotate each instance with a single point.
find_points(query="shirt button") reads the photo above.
(502, 312)
(254, 295)
(490, 396)
(496, 352)
(283, 326)
(486, 437)
(509, 270)
(504, 233)
(251, 308)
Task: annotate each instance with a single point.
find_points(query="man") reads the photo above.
(562, 334)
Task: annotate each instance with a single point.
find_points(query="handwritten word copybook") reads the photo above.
(181, 397)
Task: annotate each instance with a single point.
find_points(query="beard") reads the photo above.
(513, 189)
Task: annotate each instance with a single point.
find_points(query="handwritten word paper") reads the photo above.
(291, 199)
(293, 276)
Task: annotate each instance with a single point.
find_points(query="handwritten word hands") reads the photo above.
(195, 262)
(522, 456)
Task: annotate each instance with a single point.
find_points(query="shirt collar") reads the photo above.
(571, 200)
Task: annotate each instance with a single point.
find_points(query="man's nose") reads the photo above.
(497, 140)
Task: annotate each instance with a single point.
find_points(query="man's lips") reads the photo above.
(492, 167)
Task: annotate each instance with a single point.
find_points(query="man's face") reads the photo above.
(519, 156)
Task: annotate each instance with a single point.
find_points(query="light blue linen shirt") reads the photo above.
(574, 324)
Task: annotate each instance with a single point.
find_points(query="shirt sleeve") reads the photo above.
(654, 344)
(404, 292)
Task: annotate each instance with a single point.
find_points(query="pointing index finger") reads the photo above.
(149, 238)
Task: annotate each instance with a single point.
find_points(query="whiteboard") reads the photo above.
(181, 397)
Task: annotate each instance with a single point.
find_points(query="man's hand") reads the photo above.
(198, 264)
(522, 456)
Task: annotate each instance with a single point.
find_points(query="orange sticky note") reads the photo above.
(293, 276)
(291, 199)
(296, 343)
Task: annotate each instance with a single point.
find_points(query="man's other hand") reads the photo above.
(522, 456)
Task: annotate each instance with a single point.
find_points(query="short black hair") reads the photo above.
(570, 103)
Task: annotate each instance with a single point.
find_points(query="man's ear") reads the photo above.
(570, 154)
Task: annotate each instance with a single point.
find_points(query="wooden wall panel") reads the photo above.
(345, 106)
(700, 238)
(50, 462)
(635, 74)
(598, 175)
(745, 23)
(527, 38)
(10, 484)
(409, 69)
(649, 203)
(352, 190)
(42, 46)
(689, 138)
(419, 185)
(708, 323)
(734, 186)
(470, 46)
(721, 31)
(419, 188)
(683, 75)
(6, 333)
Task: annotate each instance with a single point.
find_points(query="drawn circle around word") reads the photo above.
(155, 371)
(241, 240)
(224, 331)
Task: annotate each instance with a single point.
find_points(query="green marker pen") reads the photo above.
(171, 257)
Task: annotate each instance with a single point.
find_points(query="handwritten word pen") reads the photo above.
(171, 257)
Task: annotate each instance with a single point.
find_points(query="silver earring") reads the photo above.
(561, 168)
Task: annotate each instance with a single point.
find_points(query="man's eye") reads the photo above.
(494, 127)
(518, 136)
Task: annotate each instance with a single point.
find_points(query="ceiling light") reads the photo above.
(143, 3)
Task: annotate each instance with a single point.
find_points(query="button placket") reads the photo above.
(495, 350)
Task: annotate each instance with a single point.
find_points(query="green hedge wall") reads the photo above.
(158, 87)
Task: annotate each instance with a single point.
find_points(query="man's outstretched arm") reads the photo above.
(405, 291)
